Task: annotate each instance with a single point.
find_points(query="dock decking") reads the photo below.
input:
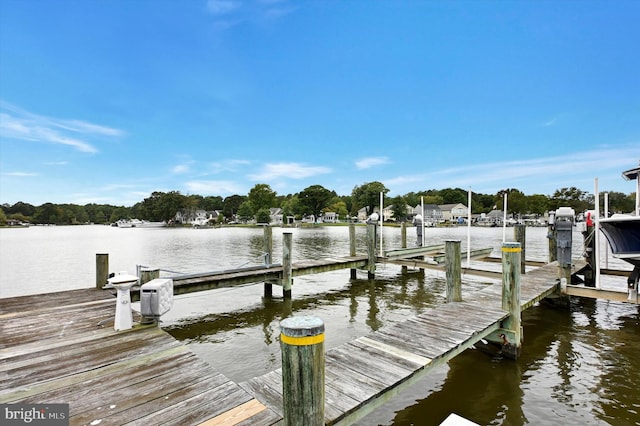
(362, 374)
(54, 351)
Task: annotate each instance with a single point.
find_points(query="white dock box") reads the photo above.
(156, 297)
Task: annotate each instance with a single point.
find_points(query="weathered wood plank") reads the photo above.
(236, 415)
(268, 389)
(360, 360)
(412, 359)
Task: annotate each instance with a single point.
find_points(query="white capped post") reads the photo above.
(423, 218)
(504, 219)
(381, 218)
(606, 215)
(597, 233)
(469, 230)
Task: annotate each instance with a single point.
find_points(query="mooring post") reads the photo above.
(102, 269)
(520, 235)
(511, 253)
(551, 236)
(453, 268)
(147, 275)
(403, 238)
(268, 256)
(302, 345)
(287, 268)
(371, 250)
(352, 247)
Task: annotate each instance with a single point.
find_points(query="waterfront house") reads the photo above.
(454, 212)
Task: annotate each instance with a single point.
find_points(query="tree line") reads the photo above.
(313, 200)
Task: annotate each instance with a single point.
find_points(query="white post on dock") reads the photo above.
(423, 220)
(504, 219)
(596, 231)
(606, 215)
(381, 218)
(469, 230)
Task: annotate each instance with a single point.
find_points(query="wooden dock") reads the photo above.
(363, 374)
(190, 283)
(61, 348)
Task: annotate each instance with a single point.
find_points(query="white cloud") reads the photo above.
(180, 169)
(545, 174)
(56, 163)
(20, 174)
(215, 187)
(288, 170)
(368, 162)
(227, 165)
(222, 7)
(16, 123)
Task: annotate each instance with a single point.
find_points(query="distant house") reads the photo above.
(387, 214)
(453, 212)
(197, 217)
(432, 213)
(275, 215)
(330, 217)
(362, 214)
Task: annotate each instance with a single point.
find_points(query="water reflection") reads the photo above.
(570, 372)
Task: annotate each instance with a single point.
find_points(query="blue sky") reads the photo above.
(107, 101)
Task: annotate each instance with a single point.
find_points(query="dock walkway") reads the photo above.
(53, 350)
(363, 374)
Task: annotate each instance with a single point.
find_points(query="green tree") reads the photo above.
(453, 196)
(263, 216)
(246, 211)
(516, 201)
(49, 213)
(571, 197)
(367, 195)
(262, 197)
(315, 198)
(538, 204)
(212, 203)
(231, 205)
(338, 206)
(3, 217)
(291, 207)
(400, 208)
(619, 202)
(25, 209)
(161, 206)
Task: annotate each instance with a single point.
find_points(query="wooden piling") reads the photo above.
(520, 235)
(287, 267)
(102, 269)
(371, 250)
(147, 275)
(553, 243)
(268, 257)
(302, 345)
(352, 247)
(403, 238)
(453, 270)
(511, 253)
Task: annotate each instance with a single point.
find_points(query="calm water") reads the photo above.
(579, 365)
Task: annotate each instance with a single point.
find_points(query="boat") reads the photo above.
(622, 231)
